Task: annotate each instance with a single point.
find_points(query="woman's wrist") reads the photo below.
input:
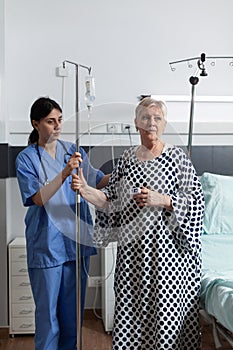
(167, 202)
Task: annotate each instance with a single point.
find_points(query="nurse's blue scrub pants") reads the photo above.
(54, 291)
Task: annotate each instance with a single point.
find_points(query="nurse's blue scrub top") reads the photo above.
(51, 228)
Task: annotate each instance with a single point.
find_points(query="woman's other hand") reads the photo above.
(152, 198)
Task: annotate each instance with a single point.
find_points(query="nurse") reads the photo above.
(44, 171)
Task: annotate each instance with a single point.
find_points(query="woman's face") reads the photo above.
(151, 122)
(49, 128)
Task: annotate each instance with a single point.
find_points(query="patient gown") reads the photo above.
(158, 264)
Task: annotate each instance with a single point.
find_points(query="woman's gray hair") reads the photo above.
(147, 102)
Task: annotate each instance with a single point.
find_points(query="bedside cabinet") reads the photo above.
(21, 303)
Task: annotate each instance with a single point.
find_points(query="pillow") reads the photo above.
(218, 193)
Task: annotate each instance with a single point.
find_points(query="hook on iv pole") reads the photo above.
(201, 66)
(77, 65)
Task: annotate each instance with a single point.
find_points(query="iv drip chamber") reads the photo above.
(90, 91)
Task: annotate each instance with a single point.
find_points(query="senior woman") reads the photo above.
(153, 207)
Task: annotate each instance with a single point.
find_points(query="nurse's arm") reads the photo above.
(47, 191)
(104, 181)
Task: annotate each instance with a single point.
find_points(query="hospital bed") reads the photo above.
(217, 255)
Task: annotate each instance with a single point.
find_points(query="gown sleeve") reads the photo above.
(187, 200)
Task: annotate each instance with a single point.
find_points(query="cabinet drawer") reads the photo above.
(23, 310)
(18, 254)
(26, 325)
(20, 282)
(19, 268)
(22, 296)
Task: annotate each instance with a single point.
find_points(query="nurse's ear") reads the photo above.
(35, 124)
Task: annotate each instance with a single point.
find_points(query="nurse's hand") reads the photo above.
(73, 163)
(47, 191)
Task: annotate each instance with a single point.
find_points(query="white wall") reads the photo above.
(128, 43)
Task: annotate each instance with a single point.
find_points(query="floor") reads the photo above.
(94, 338)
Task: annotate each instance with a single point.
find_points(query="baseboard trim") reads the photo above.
(4, 332)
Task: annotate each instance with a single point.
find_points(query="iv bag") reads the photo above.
(90, 91)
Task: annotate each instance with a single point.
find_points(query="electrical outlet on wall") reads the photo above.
(112, 128)
(125, 128)
(94, 281)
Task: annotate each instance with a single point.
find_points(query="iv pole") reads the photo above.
(78, 255)
(194, 81)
